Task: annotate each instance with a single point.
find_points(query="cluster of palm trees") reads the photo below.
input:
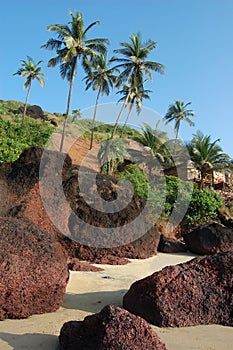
(128, 71)
(128, 75)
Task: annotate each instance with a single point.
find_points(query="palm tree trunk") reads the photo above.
(176, 139)
(105, 157)
(26, 102)
(94, 117)
(126, 120)
(68, 105)
(119, 116)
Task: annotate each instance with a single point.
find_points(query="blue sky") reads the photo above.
(194, 42)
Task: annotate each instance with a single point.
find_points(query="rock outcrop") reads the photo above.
(22, 184)
(34, 272)
(76, 265)
(210, 239)
(110, 329)
(27, 169)
(193, 293)
(170, 245)
(139, 241)
(35, 112)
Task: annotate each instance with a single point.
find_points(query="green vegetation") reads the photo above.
(111, 154)
(14, 138)
(203, 206)
(137, 178)
(207, 155)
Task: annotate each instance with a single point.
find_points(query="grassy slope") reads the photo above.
(14, 138)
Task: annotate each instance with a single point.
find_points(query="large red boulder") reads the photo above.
(210, 239)
(22, 180)
(32, 164)
(33, 274)
(193, 293)
(170, 245)
(136, 241)
(110, 329)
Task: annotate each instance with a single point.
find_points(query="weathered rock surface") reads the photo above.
(34, 112)
(210, 239)
(21, 180)
(76, 265)
(33, 274)
(170, 245)
(128, 244)
(110, 329)
(110, 260)
(193, 293)
(27, 169)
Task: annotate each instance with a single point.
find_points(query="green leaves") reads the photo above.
(203, 206)
(15, 138)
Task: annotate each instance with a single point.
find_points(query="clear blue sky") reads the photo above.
(194, 41)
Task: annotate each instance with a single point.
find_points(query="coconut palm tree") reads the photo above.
(206, 155)
(31, 71)
(72, 45)
(178, 112)
(134, 66)
(76, 114)
(136, 95)
(155, 140)
(102, 78)
(117, 150)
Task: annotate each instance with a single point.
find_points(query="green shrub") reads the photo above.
(175, 186)
(137, 178)
(203, 206)
(15, 138)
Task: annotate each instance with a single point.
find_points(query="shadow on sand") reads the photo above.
(93, 302)
(30, 341)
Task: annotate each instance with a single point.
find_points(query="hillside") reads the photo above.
(39, 127)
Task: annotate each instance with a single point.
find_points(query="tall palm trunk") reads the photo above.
(26, 102)
(94, 117)
(126, 120)
(68, 104)
(119, 116)
(106, 153)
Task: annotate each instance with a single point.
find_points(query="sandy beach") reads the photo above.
(89, 292)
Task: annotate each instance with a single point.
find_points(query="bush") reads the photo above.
(152, 193)
(15, 138)
(203, 206)
(137, 178)
(174, 186)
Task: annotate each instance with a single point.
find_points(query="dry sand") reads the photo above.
(89, 292)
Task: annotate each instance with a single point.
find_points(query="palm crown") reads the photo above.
(134, 66)
(71, 45)
(100, 75)
(30, 70)
(133, 62)
(178, 112)
(206, 154)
